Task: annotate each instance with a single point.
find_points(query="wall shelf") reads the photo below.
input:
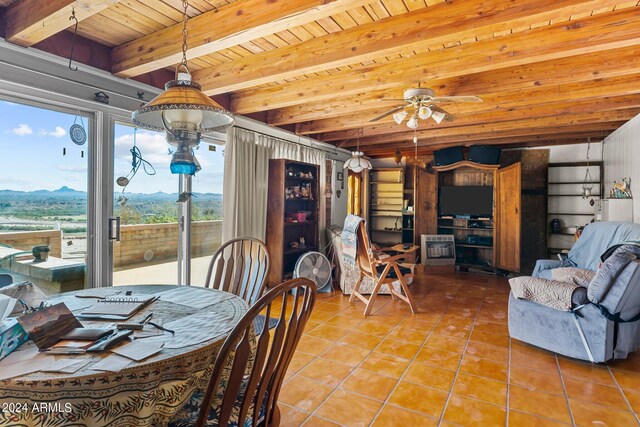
(570, 208)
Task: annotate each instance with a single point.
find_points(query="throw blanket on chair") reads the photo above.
(579, 276)
(552, 293)
(350, 239)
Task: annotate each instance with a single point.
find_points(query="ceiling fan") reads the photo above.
(421, 103)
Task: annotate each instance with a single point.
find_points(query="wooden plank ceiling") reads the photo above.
(549, 71)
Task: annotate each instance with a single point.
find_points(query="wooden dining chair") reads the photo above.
(251, 365)
(382, 269)
(240, 266)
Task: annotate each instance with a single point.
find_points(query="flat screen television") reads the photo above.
(466, 200)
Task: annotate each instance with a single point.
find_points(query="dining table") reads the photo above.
(112, 390)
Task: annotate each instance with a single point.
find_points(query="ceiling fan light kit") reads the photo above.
(399, 116)
(413, 123)
(424, 112)
(424, 104)
(438, 116)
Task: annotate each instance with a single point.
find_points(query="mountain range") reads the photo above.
(65, 191)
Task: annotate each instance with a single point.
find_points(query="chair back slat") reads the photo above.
(294, 330)
(240, 266)
(254, 380)
(255, 362)
(365, 252)
(239, 365)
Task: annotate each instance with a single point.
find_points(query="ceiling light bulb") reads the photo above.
(424, 112)
(412, 123)
(184, 115)
(437, 116)
(399, 116)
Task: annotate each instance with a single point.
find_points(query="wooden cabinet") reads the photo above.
(487, 242)
(507, 214)
(292, 217)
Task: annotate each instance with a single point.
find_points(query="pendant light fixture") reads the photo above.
(587, 184)
(184, 113)
(357, 163)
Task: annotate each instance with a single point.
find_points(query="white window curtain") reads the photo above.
(246, 176)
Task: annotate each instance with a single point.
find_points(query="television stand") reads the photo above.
(473, 240)
(483, 241)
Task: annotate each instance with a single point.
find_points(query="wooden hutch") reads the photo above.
(292, 216)
(489, 242)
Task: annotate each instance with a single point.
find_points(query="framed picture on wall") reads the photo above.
(340, 176)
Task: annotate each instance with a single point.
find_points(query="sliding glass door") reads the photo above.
(44, 188)
(144, 225)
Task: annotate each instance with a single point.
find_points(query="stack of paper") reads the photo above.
(6, 306)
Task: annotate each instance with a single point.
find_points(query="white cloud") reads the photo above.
(22, 130)
(154, 148)
(58, 132)
(79, 169)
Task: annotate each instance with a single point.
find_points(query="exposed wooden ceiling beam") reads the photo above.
(409, 154)
(467, 114)
(587, 67)
(408, 148)
(231, 25)
(601, 32)
(615, 86)
(31, 21)
(418, 30)
(518, 127)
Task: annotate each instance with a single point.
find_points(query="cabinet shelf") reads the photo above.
(296, 251)
(572, 182)
(296, 178)
(466, 245)
(570, 213)
(464, 228)
(385, 231)
(290, 224)
(465, 219)
(571, 195)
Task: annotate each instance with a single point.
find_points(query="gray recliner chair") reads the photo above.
(606, 327)
(596, 238)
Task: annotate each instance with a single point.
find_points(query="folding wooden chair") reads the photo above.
(382, 269)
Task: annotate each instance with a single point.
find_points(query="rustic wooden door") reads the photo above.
(507, 218)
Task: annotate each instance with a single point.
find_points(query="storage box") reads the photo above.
(12, 336)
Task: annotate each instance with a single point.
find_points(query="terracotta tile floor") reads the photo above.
(452, 364)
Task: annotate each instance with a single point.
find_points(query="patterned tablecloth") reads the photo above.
(146, 393)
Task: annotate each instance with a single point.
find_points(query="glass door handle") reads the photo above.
(114, 228)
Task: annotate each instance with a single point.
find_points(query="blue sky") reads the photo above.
(31, 156)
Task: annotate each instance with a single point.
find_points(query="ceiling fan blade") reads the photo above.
(465, 98)
(395, 99)
(388, 113)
